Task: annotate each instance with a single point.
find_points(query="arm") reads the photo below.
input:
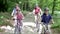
(41, 12)
(33, 12)
(22, 15)
(51, 21)
(12, 14)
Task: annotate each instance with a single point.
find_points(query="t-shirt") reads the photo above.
(19, 16)
(14, 12)
(37, 10)
(46, 19)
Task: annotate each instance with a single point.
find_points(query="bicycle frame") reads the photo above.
(17, 29)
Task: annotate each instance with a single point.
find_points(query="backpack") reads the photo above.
(37, 10)
(19, 16)
(14, 11)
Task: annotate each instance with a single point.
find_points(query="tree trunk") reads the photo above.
(53, 8)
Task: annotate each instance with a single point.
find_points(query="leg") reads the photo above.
(40, 29)
(15, 31)
(49, 29)
(20, 26)
(45, 28)
(38, 23)
(36, 20)
(15, 21)
(19, 30)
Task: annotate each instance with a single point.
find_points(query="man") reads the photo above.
(46, 18)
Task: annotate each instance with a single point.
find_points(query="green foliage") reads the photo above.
(3, 5)
(28, 4)
(57, 21)
(4, 19)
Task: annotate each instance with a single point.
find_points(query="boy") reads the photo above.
(46, 18)
(14, 14)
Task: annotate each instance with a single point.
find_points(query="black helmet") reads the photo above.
(46, 9)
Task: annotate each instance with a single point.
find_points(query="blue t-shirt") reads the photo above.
(14, 11)
(46, 19)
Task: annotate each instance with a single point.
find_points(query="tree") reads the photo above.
(3, 5)
(29, 4)
(54, 3)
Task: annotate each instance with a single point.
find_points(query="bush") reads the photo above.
(3, 19)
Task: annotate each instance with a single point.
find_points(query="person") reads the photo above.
(13, 14)
(37, 14)
(37, 11)
(18, 17)
(47, 20)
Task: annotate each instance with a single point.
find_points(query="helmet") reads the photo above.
(46, 9)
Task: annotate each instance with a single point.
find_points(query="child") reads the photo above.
(19, 21)
(46, 18)
(37, 14)
(14, 14)
(17, 16)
